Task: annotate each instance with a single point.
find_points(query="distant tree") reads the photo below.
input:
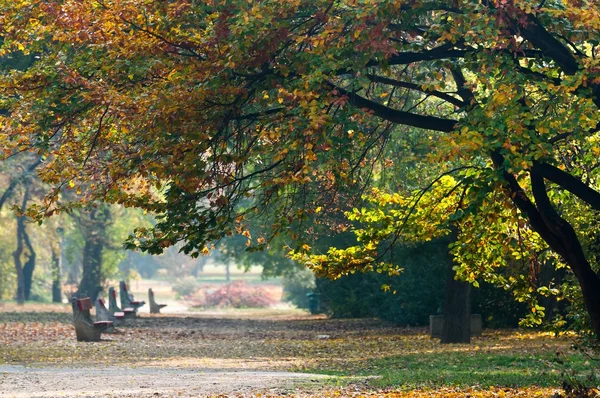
(24, 255)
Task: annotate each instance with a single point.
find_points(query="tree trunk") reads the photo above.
(590, 287)
(95, 235)
(20, 297)
(457, 310)
(29, 265)
(557, 232)
(56, 268)
(227, 273)
(22, 239)
(92, 263)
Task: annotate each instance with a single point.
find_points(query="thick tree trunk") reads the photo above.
(590, 286)
(92, 264)
(557, 232)
(95, 235)
(457, 310)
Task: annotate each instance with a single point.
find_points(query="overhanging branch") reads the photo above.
(397, 116)
(412, 86)
(570, 183)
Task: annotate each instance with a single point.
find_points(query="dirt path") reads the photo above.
(25, 382)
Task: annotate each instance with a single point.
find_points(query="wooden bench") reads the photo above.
(154, 307)
(127, 300)
(114, 309)
(85, 328)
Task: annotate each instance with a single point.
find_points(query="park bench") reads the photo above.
(154, 307)
(85, 328)
(127, 300)
(113, 308)
(103, 314)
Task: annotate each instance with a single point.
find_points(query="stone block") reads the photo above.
(436, 324)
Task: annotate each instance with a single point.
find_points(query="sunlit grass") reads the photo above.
(481, 369)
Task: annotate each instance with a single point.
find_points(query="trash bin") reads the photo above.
(314, 305)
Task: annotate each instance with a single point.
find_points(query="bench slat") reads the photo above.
(102, 323)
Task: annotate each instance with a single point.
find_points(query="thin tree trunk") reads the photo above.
(21, 236)
(29, 265)
(56, 271)
(20, 297)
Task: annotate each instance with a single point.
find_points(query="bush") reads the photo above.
(186, 286)
(239, 295)
(296, 286)
(419, 291)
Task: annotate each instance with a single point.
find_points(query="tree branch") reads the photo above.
(570, 183)
(412, 86)
(442, 52)
(396, 116)
(13, 184)
(535, 32)
(526, 206)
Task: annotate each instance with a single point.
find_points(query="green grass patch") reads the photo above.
(467, 369)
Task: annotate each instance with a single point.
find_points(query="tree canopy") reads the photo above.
(206, 113)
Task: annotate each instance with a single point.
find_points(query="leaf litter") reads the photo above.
(236, 354)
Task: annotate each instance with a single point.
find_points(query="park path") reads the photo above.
(181, 353)
(117, 381)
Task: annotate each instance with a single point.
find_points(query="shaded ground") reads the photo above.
(247, 353)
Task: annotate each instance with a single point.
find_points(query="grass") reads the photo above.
(484, 370)
(506, 359)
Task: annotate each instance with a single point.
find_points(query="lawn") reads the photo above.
(367, 356)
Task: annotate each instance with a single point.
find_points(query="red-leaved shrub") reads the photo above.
(240, 295)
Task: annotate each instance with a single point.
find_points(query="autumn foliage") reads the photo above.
(210, 113)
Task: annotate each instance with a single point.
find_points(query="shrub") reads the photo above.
(239, 295)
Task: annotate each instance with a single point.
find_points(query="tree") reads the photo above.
(24, 255)
(97, 245)
(93, 226)
(188, 109)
